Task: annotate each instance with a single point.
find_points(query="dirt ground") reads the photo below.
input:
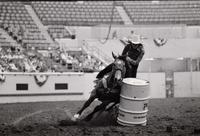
(171, 116)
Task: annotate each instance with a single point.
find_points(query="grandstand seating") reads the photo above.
(6, 40)
(56, 15)
(3, 40)
(163, 12)
(58, 31)
(87, 13)
(90, 13)
(16, 20)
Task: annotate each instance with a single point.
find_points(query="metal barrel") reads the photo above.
(133, 106)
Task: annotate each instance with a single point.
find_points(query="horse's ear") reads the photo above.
(114, 56)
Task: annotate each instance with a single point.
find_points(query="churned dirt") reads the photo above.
(171, 116)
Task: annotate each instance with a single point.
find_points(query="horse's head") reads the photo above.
(119, 68)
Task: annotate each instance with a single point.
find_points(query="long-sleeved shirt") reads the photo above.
(134, 51)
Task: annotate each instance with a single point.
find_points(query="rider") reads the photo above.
(135, 51)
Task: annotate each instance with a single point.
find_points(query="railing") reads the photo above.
(94, 51)
(42, 73)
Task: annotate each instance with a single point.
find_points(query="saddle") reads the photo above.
(104, 92)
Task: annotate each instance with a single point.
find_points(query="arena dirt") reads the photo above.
(177, 117)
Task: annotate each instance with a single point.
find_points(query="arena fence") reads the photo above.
(34, 87)
(186, 84)
(30, 87)
(72, 86)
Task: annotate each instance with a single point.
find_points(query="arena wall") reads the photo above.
(20, 87)
(157, 83)
(161, 65)
(79, 86)
(186, 84)
(174, 48)
(148, 31)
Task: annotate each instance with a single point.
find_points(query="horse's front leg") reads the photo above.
(86, 104)
(98, 108)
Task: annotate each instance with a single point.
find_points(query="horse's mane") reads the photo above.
(122, 57)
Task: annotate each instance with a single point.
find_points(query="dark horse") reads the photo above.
(107, 90)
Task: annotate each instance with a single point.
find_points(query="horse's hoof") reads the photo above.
(75, 117)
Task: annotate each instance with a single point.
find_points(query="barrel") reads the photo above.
(133, 106)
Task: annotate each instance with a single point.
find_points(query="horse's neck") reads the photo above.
(110, 81)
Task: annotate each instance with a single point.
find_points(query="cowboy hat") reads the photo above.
(135, 39)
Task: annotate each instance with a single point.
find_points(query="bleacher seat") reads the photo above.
(58, 31)
(175, 12)
(3, 40)
(14, 14)
(73, 13)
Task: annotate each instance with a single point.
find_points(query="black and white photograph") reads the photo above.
(100, 68)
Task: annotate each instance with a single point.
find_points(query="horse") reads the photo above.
(107, 90)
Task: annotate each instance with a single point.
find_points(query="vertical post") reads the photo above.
(191, 72)
(150, 69)
(197, 63)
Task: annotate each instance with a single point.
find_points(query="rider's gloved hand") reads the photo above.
(131, 61)
(128, 59)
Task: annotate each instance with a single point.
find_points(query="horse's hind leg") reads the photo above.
(88, 102)
(98, 108)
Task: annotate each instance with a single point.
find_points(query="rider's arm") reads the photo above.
(137, 61)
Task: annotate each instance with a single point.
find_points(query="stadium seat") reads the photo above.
(15, 14)
(74, 11)
(137, 10)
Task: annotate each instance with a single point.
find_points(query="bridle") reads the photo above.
(118, 65)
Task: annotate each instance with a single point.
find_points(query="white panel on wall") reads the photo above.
(157, 83)
(196, 83)
(73, 81)
(186, 84)
(182, 84)
(46, 92)
(89, 84)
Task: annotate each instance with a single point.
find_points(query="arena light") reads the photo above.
(149, 59)
(155, 1)
(180, 58)
(80, 2)
(49, 48)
